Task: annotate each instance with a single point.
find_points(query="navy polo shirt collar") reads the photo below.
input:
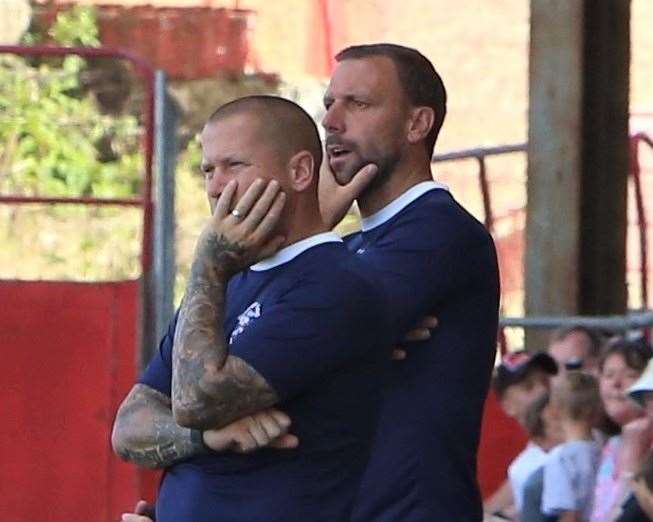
(394, 207)
(290, 252)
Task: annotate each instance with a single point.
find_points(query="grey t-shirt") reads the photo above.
(569, 477)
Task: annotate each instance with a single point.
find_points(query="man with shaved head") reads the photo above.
(301, 330)
(384, 109)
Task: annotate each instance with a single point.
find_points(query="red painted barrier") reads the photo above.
(69, 359)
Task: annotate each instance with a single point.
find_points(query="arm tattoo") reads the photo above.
(146, 433)
(210, 388)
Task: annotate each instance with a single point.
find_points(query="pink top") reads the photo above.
(607, 492)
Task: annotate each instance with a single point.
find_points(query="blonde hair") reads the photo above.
(576, 395)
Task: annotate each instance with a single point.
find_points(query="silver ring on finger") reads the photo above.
(237, 214)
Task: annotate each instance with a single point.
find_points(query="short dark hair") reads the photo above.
(597, 340)
(418, 78)
(283, 122)
(635, 353)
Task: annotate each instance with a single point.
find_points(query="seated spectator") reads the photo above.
(576, 347)
(620, 367)
(543, 427)
(570, 469)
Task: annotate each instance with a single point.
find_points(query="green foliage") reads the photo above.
(54, 141)
(50, 131)
(77, 27)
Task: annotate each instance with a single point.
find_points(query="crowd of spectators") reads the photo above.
(587, 406)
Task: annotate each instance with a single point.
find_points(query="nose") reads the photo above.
(617, 382)
(333, 121)
(214, 183)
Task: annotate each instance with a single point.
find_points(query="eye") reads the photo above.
(327, 103)
(359, 104)
(233, 164)
(207, 170)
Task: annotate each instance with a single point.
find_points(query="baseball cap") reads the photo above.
(642, 385)
(516, 365)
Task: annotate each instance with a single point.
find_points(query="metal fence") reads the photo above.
(616, 324)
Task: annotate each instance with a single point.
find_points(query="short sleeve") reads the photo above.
(558, 494)
(315, 329)
(158, 373)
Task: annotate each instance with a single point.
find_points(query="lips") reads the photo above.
(337, 151)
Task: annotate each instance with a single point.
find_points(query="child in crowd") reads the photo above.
(543, 427)
(570, 469)
(520, 380)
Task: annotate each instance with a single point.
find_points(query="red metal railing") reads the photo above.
(146, 72)
(481, 154)
(635, 173)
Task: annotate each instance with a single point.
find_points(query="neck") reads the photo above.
(544, 443)
(576, 430)
(404, 176)
(302, 222)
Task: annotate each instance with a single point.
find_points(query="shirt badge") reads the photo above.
(253, 311)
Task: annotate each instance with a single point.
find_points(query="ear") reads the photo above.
(420, 123)
(300, 171)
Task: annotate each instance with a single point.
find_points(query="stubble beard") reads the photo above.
(385, 164)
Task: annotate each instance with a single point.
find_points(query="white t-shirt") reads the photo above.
(528, 461)
(569, 478)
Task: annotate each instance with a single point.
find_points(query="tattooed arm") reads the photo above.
(210, 388)
(146, 434)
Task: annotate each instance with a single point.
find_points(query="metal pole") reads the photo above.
(164, 223)
(613, 323)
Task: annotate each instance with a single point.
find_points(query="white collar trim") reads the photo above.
(394, 207)
(292, 251)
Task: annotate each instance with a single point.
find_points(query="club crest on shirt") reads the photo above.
(253, 311)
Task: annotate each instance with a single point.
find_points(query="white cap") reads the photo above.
(642, 385)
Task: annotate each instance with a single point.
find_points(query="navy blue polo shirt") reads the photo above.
(313, 326)
(430, 256)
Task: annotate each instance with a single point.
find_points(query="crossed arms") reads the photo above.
(210, 388)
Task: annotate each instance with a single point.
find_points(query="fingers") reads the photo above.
(422, 330)
(223, 205)
(267, 223)
(268, 425)
(132, 517)
(287, 441)
(245, 443)
(281, 418)
(259, 211)
(262, 203)
(362, 179)
(430, 321)
(417, 334)
(398, 354)
(220, 439)
(144, 508)
(263, 429)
